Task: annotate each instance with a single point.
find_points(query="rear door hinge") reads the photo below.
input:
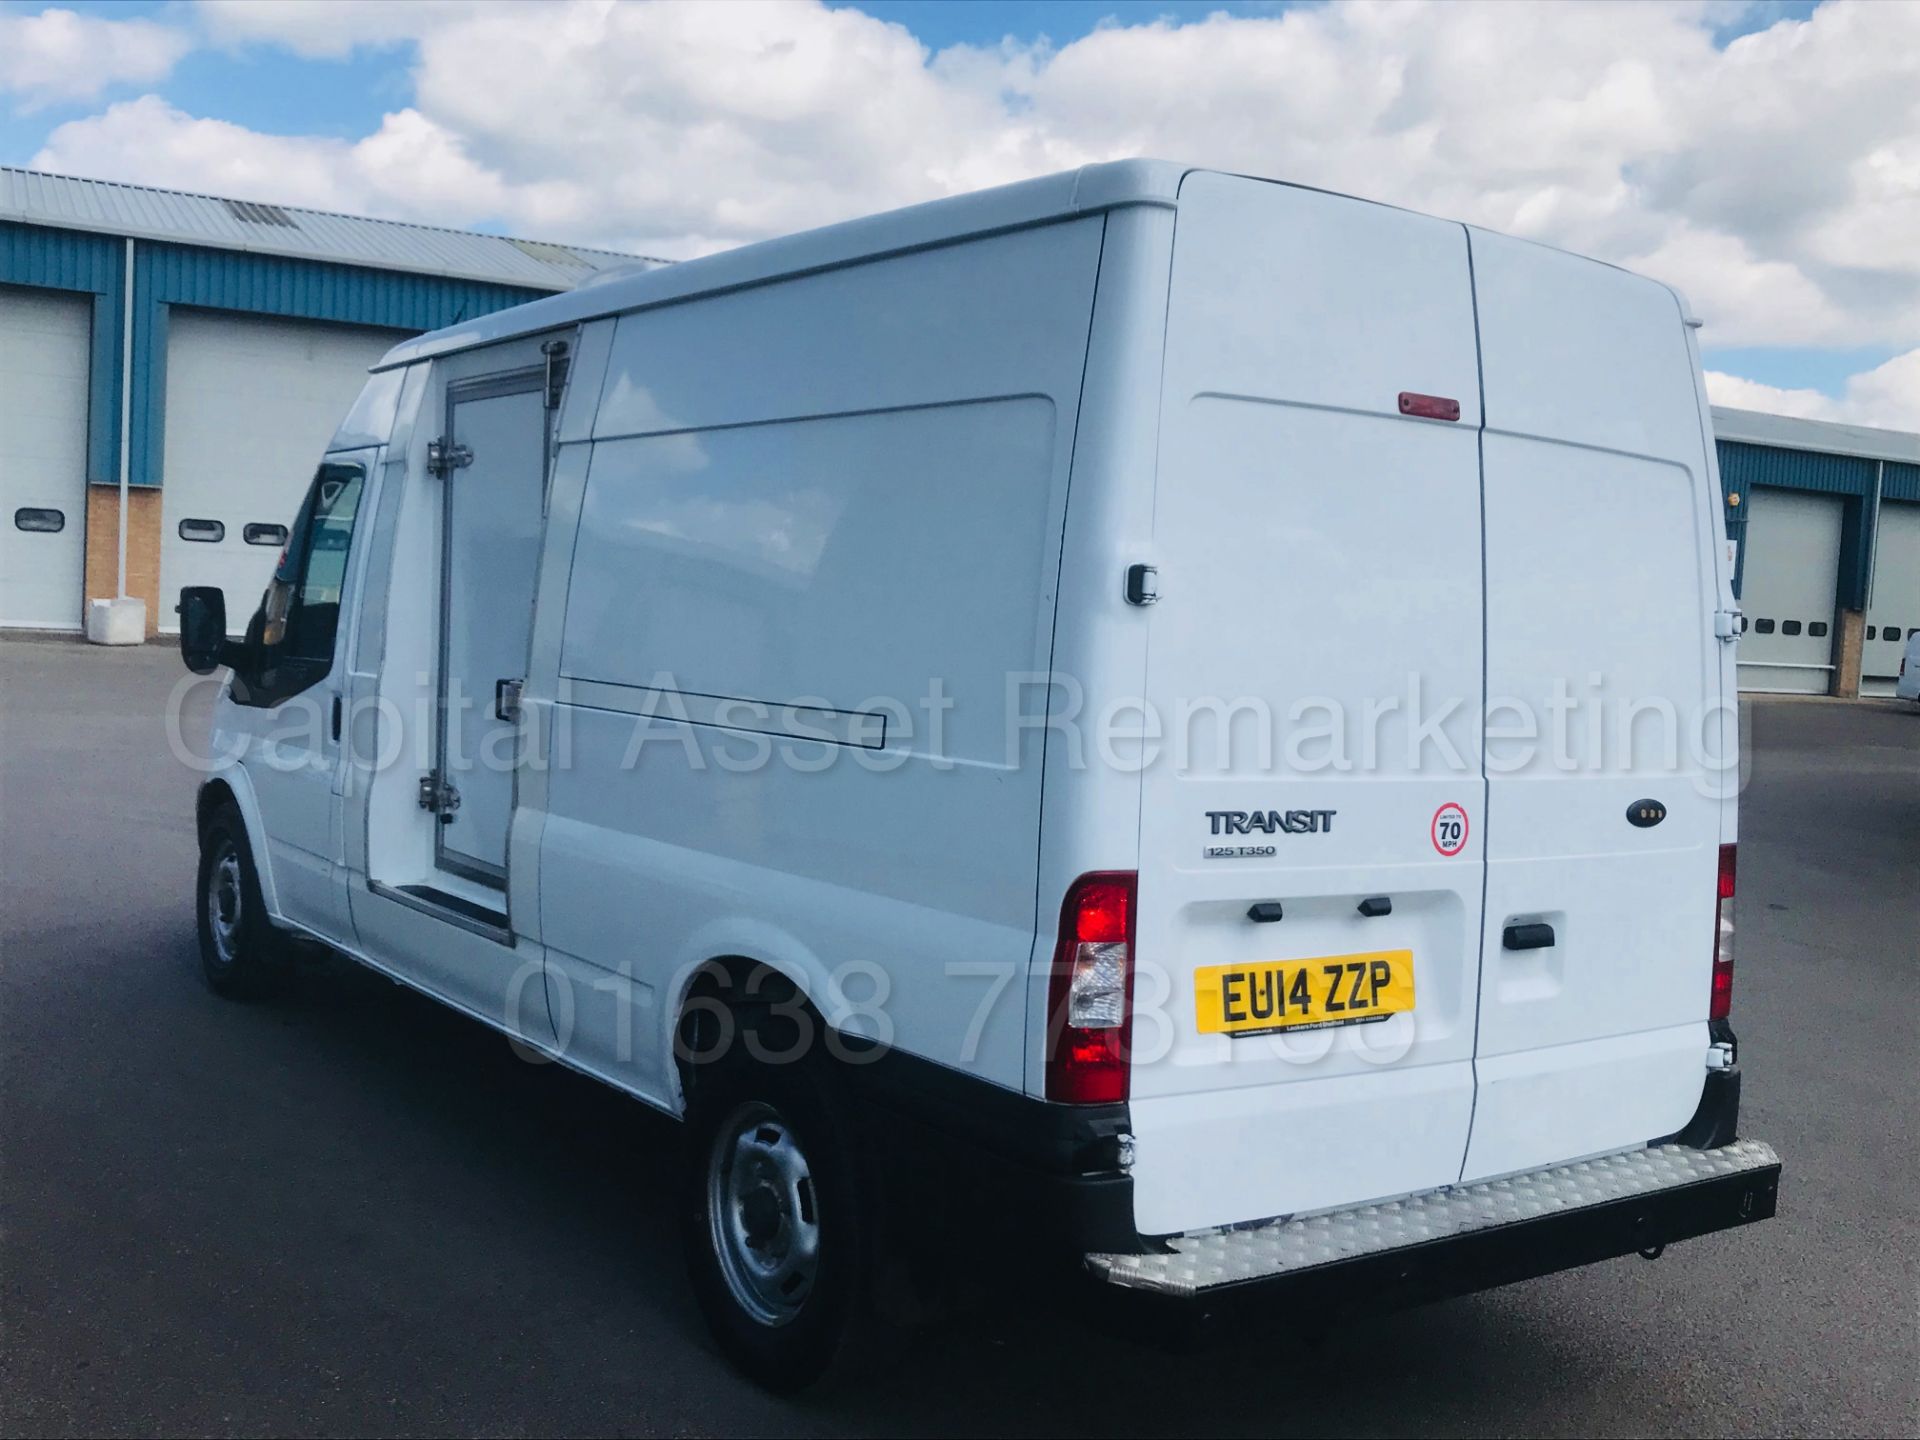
(1726, 625)
(444, 457)
(1720, 1056)
(438, 797)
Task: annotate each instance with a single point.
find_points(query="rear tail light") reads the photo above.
(1090, 995)
(1723, 941)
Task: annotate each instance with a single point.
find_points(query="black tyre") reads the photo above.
(774, 1217)
(239, 949)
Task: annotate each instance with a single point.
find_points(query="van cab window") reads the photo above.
(299, 617)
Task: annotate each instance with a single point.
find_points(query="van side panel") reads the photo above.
(1602, 535)
(1320, 605)
(820, 530)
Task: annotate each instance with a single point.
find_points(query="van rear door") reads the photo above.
(1603, 683)
(1315, 666)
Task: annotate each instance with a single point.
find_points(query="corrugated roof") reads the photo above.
(1789, 432)
(35, 198)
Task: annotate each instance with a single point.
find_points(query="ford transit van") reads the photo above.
(1207, 703)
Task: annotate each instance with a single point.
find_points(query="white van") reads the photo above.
(1907, 687)
(1208, 703)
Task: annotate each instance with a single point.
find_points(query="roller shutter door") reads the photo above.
(1894, 612)
(251, 404)
(1788, 587)
(44, 347)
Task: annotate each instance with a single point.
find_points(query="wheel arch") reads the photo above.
(233, 788)
(740, 978)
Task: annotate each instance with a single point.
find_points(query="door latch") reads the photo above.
(506, 700)
(438, 798)
(444, 457)
(1143, 585)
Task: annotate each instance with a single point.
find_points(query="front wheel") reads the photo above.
(773, 1228)
(238, 947)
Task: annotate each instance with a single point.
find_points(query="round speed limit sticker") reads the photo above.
(1449, 829)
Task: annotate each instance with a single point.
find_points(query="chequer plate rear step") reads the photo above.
(1196, 1264)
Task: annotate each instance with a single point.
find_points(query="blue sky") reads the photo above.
(1653, 135)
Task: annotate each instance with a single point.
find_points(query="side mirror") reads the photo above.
(203, 629)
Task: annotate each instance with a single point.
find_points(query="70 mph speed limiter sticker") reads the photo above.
(1449, 829)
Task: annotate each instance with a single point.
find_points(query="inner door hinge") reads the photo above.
(444, 457)
(556, 353)
(438, 797)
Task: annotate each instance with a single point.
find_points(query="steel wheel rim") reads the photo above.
(225, 901)
(763, 1214)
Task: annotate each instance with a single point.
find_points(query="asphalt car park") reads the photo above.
(348, 1210)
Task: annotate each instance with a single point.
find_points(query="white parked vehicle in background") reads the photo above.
(1908, 685)
(1046, 674)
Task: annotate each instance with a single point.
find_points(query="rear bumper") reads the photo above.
(1310, 1273)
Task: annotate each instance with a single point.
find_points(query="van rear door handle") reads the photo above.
(1527, 937)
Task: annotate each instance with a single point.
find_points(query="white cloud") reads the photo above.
(1776, 181)
(408, 169)
(1887, 396)
(1744, 394)
(58, 55)
(324, 29)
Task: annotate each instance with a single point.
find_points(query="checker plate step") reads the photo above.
(1201, 1262)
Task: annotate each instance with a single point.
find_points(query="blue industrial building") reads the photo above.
(1826, 519)
(225, 295)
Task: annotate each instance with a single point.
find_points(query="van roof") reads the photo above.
(1006, 207)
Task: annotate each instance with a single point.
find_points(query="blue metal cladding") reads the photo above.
(169, 275)
(1902, 482)
(1744, 466)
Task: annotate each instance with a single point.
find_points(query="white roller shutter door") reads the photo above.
(1894, 612)
(44, 347)
(1788, 587)
(251, 402)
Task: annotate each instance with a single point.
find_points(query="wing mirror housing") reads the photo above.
(203, 630)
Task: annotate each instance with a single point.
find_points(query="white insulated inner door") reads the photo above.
(493, 515)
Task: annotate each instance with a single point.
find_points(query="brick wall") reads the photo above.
(143, 547)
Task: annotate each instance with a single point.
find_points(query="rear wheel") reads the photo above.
(239, 949)
(773, 1217)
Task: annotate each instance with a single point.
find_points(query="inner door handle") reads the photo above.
(506, 700)
(1527, 937)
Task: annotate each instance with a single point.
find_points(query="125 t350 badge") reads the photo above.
(1253, 823)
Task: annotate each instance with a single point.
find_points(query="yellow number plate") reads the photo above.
(1287, 994)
